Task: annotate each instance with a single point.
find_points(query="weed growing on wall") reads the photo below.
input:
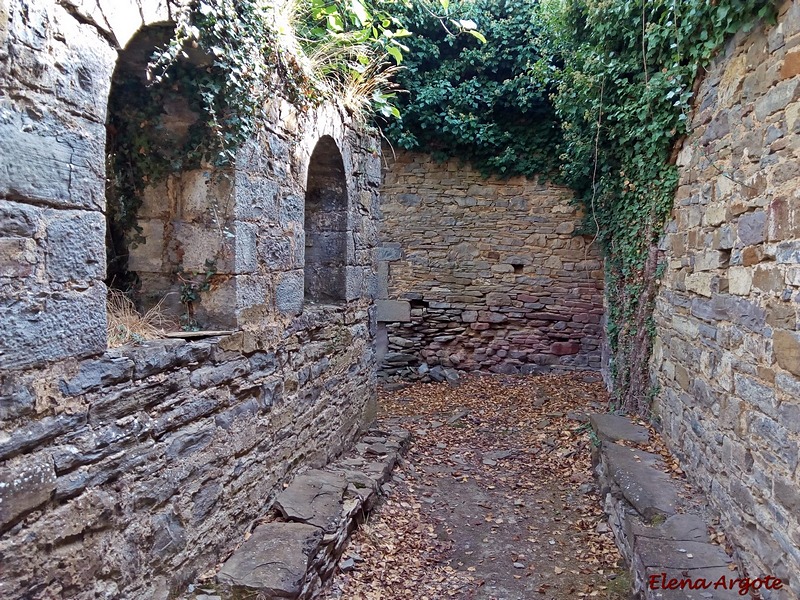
(626, 74)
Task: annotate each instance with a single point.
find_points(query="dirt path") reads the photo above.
(495, 500)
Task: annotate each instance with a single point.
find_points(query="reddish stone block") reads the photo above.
(564, 348)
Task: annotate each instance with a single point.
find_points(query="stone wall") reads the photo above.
(484, 273)
(126, 472)
(727, 353)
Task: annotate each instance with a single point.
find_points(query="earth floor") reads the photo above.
(495, 499)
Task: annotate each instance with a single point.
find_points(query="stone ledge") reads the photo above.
(297, 549)
(660, 530)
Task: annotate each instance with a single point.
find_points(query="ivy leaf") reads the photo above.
(478, 35)
(360, 12)
(395, 53)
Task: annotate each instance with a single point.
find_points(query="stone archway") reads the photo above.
(326, 225)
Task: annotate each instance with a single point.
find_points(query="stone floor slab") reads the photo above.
(618, 428)
(681, 555)
(314, 498)
(649, 490)
(273, 561)
(686, 527)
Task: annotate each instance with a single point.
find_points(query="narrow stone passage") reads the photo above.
(494, 501)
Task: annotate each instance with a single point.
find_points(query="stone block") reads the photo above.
(389, 311)
(169, 534)
(276, 252)
(201, 243)
(52, 327)
(792, 276)
(708, 260)
(715, 214)
(788, 252)
(75, 245)
(356, 283)
(756, 393)
(781, 315)
(616, 427)
(786, 348)
(189, 440)
(17, 256)
(3, 22)
(739, 281)
(147, 256)
(290, 547)
(703, 284)
(768, 278)
(498, 299)
(777, 98)
(251, 291)
(752, 227)
(388, 253)
(257, 199)
(469, 316)
(53, 171)
(778, 220)
(94, 374)
(25, 485)
(646, 486)
(246, 243)
(314, 498)
(289, 292)
(19, 220)
(565, 348)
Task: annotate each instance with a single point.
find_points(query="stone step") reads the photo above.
(641, 478)
(659, 524)
(291, 556)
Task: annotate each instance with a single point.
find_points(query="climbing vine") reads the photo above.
(626, 75)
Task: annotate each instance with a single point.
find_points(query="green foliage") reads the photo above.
(476, 101)
(625, 73)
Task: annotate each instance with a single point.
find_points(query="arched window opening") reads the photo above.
(326, 226)
(169, 212)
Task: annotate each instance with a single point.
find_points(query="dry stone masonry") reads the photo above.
(126, 472)
(479, 273)
(727, 355)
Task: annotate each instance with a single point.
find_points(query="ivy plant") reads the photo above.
(625, 74)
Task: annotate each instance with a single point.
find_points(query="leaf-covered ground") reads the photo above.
(495, 499)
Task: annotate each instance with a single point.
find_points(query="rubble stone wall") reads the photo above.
(481, 273)
(727, 353)
(125, 472)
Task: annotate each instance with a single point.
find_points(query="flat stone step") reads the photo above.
(314, 498)
(274, 560)
(641, 480)
(669, 552)
(293, 556)
(614, 428)
(679, 527)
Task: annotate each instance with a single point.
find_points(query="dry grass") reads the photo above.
(126, 325)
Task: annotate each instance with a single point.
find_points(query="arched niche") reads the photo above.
(326, 225)
(169, 213)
